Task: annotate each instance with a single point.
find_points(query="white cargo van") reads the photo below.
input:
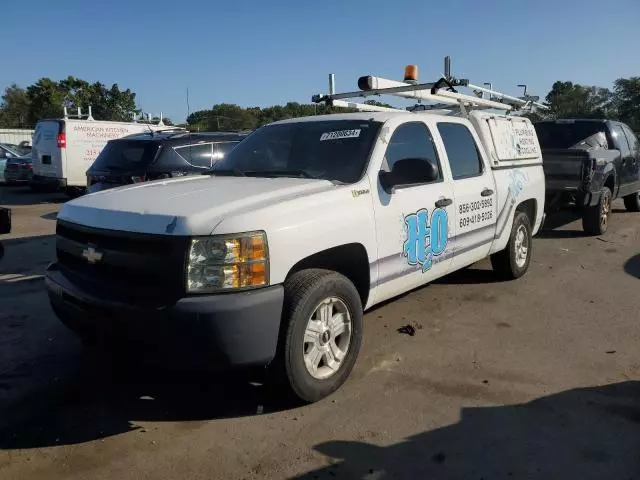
(64, 149)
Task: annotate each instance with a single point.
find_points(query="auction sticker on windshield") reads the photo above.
(355, 133)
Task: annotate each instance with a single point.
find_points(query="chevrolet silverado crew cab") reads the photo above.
(306, 224)
(588, 163)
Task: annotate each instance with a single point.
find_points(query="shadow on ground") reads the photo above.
(470, 276)
(23, 195)
(559, 220)
(25, 260)
(632, 266)
(582, 433)
(103, 401)
(50, 216)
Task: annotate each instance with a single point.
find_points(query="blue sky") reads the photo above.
(270, 52)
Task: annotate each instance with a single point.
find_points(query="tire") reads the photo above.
(632, 202)
(514, 260)
(305, 294)
(595, 219)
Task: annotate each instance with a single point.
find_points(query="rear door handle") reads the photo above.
(443, 202)
(486, 192)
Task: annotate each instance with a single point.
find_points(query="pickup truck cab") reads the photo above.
(307, 223)
(588, 163)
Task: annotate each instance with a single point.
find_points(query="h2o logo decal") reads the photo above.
(425, 238)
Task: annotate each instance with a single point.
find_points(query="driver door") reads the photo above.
(414, 222)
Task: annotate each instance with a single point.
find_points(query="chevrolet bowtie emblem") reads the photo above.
(92, 255)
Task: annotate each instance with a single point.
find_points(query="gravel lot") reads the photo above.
(536, 378)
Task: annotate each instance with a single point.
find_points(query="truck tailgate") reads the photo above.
(565, 169)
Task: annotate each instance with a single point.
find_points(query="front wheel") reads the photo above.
(323, 312)
(632, 202)
(513, 261)
(595, 219)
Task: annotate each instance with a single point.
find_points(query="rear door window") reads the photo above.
(122, 155)
(221, 149)
(462, 151)
(197, 155)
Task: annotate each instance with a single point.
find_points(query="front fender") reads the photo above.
(299, 228)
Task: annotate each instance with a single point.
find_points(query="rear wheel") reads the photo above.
(632, 202)
(513, 261)
(595, 219)
(323, 312)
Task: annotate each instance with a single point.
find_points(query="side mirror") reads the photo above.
(409, 171)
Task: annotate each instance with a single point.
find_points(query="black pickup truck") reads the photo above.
(587, 164)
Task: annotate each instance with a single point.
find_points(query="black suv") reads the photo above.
(156, 155)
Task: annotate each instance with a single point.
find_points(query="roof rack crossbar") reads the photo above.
(378, 91)
(442, 91)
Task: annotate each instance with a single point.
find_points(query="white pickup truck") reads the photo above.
(309, 222)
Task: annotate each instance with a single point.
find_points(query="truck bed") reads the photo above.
(575, 169)
(566, 169)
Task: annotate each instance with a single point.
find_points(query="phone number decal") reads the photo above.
(475, 212)
(474, 206)
(476, 218)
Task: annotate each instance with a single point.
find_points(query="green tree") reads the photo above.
(14, 108)
(627, 98)
(47, 98)
(378, 104)
(234, 117)
(224, 116)
(156, 120)
(570, 100)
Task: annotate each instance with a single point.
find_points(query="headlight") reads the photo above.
(227, 262)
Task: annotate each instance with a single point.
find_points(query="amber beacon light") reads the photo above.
(411, 74)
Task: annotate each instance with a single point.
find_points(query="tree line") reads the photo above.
(23, 107)
(565, 100)
(46, 98)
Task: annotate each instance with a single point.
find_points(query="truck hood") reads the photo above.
(185, 206)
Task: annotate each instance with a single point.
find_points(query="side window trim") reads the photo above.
(433, 146)
(210, 144)
(481, 163)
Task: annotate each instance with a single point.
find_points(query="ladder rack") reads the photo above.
(446, 99)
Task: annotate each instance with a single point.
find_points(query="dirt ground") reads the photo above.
(536, 378)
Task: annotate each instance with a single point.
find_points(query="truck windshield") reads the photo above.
(336, 150)
(566, 135)
(123, 155)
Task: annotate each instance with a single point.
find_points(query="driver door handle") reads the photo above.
(486, 192)
(443, 202)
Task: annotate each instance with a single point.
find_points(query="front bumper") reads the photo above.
(224, 330)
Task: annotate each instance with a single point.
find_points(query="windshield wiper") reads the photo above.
(280, 173)
(227, 172)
